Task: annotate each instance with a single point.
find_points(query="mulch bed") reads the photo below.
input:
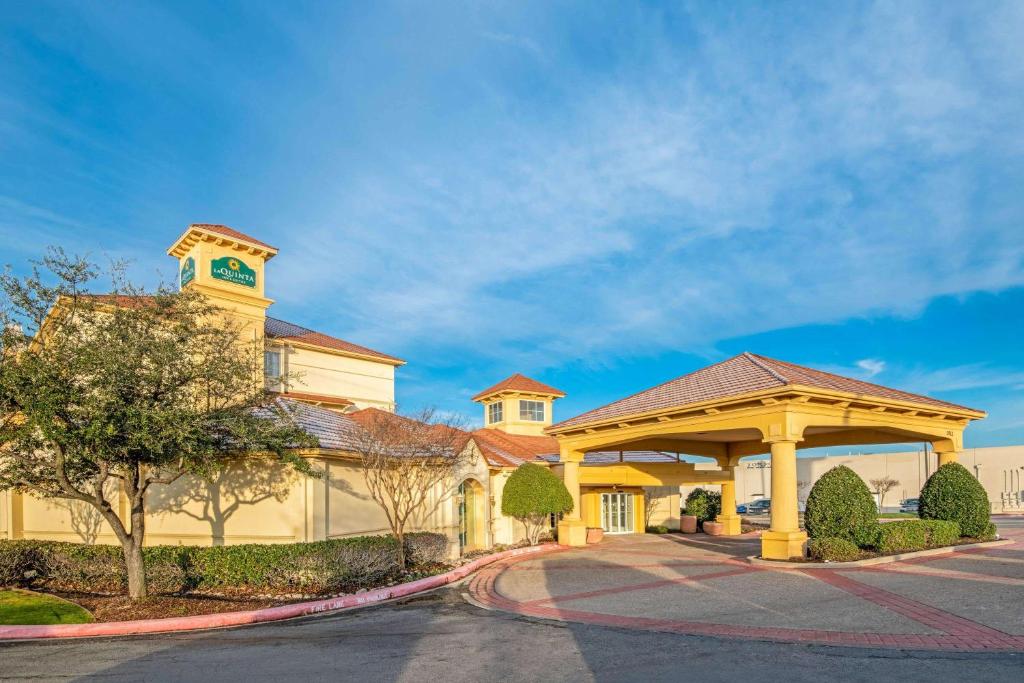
(123, 608)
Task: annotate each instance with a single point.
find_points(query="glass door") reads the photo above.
(617, 513)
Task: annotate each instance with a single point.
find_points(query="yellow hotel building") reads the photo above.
(622, 463)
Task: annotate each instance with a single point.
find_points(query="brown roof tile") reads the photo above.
(279, 329)
(741, 374)
(512, 450)
(519, 382)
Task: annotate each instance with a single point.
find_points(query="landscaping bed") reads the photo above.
(186, 580)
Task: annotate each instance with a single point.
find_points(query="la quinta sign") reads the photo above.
(188, 271)
(233, 269)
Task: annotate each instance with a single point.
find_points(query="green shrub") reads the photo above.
(953, 494)
(989, 534)
(704, 505)
(841, 506)
(941, 533)
(830, 549)
(659, 529)
(311, 568)
(318, 567)
(532, 494)
(902, 537)
(424, 547)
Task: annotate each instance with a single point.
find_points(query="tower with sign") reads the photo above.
(228, 267)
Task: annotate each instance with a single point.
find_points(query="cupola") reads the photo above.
(518, 405)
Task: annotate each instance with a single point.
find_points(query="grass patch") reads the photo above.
(23, 607)
(897, 515)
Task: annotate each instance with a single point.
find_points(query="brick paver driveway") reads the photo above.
(970, 600)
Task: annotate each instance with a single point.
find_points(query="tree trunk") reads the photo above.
(400, 537)
(136, 568)
(134, 564)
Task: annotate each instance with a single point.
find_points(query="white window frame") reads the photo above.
(495, 412)
(529, 410)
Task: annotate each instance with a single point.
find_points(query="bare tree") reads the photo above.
(406, 459)
(882, 486)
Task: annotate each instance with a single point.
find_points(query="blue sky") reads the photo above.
(601, 197)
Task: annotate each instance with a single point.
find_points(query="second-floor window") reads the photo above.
(272, 367)
(494, 413)
(531, 410)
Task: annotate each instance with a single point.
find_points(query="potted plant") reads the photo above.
(595, 534)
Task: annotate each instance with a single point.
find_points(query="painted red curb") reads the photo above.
(205, 621)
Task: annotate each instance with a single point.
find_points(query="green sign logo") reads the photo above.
(188, 271)
(233, 269)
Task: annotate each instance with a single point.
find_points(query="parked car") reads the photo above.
(741, 508)
(909, 505)
(760, 507)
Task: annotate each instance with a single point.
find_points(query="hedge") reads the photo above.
(952, 493)
(841, 506)
(704, 505)
(831, 549)
(658, 529)
(916, 534)
(309, 568)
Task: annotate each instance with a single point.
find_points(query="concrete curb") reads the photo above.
(301, 609)
(886, 559)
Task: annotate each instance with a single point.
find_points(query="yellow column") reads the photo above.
(950, 456)
(784, 540)
(728, 518)
(572, 530)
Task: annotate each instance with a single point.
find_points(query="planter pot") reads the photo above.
(688, 524)
(594, 534)
(714, 528)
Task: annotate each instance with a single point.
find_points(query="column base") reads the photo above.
(730, 524)
(783, 545)
(572, 532)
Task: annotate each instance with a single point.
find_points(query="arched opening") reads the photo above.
(472, 516)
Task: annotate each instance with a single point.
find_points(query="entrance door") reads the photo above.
(617, 513)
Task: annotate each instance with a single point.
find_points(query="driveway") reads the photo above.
(970, 600)
(443, 637)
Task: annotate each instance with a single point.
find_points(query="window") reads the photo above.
(494, 413)
(531, 410)
(272, 368)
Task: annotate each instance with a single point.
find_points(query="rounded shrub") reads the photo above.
(830, 549)
(532, 494)
(704, 505)
(953, 494)
(841, 506)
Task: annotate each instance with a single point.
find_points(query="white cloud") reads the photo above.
(871, 366)
(670, 207)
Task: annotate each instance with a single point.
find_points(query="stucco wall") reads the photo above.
(5, 515)
(992, 466)
(365, 383)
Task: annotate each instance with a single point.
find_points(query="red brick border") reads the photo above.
(957, 633)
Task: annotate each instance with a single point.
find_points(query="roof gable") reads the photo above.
(519, 382)
(742, 374)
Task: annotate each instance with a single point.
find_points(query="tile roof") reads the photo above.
(279, 329)
(738, 375)
(512, 450)
(519, 382)
(611, 457)
(317, 398)
(331, 429)
(230, 232)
